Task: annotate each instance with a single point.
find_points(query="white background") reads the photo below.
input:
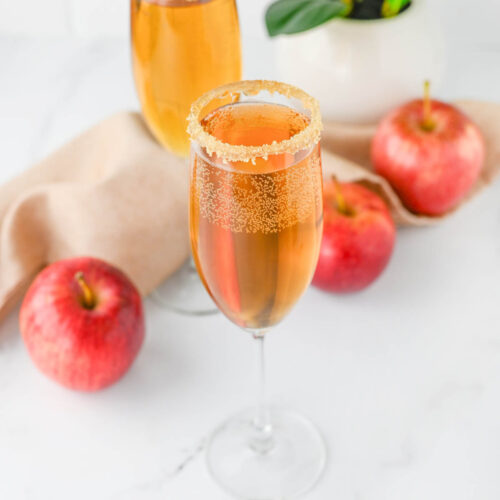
(403, 379)
(467, 21)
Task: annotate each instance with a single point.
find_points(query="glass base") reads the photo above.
(288, 470)
(183, 292)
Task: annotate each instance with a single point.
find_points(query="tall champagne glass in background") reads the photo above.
(181, 49)
(256, 224)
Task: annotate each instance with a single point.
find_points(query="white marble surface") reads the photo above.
(403, 379)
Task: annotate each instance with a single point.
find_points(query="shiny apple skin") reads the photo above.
(83, 349)
(433, 170)
(355, 248)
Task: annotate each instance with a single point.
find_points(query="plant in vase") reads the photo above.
(295, 16)
(360, 58)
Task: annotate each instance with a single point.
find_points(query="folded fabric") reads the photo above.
(114, 193)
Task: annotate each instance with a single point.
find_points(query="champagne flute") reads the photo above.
(256, 224)
(181, 49)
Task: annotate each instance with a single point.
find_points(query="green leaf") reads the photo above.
(295, 16)
(391, 8)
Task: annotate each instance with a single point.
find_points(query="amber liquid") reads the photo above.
(180, 50)
(256, 227)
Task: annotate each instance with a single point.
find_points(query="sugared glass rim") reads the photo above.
(307, 137)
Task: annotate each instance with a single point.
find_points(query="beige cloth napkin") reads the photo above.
(114, 193)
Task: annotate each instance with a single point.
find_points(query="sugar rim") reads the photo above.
(233, 153)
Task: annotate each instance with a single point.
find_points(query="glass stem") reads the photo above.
(262, 439)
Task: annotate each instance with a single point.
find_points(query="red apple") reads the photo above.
(82, 322)
(358, 238)
(430, 152)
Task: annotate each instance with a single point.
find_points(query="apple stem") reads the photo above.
(428, 122)
(88, 296)
(339, 197)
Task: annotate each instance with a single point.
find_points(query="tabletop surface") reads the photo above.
(403, 379)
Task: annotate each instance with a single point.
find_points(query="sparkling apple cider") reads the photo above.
(181, 49)
(256, 226)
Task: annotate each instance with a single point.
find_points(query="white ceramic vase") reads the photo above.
(361, 69)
